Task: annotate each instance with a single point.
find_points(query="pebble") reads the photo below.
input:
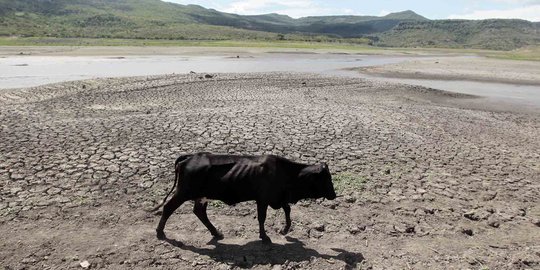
(84, 264)
(467, 231)
(319, 226)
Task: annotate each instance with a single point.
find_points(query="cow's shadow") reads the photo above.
(252, 253)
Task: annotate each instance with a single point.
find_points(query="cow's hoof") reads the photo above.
(160, 235)
(218, 236)
(266, 240)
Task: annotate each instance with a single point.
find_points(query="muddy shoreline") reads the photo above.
(462, 69)
(436, 180)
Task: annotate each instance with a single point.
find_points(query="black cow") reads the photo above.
(269, 180)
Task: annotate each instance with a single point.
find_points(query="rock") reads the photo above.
(536, 221)
(29, 260)
(208, 76)
(489, 196)
(471, 215)
(195, 263)
(467, 231)
(85, 264)
(350, 199)
(404, 228)
(476, 215)
(355, 229)
(330, 204)
(318, 226)
(419, 212)
(494, 222)
(146, 184)
(422, 230)
(315, 234)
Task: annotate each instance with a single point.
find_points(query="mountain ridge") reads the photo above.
(155, 19)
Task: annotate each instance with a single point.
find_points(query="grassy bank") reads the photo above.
(34, 41)
(530, 53)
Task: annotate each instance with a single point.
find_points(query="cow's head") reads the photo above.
(317, 181)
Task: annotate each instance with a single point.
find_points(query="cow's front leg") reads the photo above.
(287, 227)
(261, 216)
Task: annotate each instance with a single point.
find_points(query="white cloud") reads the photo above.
(530, 13)
(519, 2)
(383, 13)
(255, 6)
(293, 8)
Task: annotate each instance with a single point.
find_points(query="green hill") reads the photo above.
(154, 19)
(157, 19)
(483, 34)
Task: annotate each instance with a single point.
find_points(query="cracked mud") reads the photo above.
(429, 181)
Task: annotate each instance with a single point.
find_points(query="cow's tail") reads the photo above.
(177, 168)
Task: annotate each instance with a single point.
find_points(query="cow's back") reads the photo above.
(229, 178)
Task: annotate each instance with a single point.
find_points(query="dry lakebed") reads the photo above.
(430, 179)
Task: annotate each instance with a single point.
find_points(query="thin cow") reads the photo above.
(269, 180)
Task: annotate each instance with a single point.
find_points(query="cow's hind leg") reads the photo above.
(168, 209)
(199, 209)
(261, 216)
(287, 227)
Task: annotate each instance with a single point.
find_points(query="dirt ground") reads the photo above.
(434, 182)
(463, 68)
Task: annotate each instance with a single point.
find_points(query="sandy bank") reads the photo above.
(463, 68)
(204, 50)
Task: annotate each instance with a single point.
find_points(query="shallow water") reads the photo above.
(525, 95)
(26, 71)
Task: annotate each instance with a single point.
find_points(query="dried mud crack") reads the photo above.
(429, 182)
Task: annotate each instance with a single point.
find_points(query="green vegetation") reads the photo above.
(144, 19)
(345, 183)
(51, 41)
(485, 34)
(216, 204)
(528, 53)
(168, 23)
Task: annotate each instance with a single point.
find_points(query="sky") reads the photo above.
(432, 9)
